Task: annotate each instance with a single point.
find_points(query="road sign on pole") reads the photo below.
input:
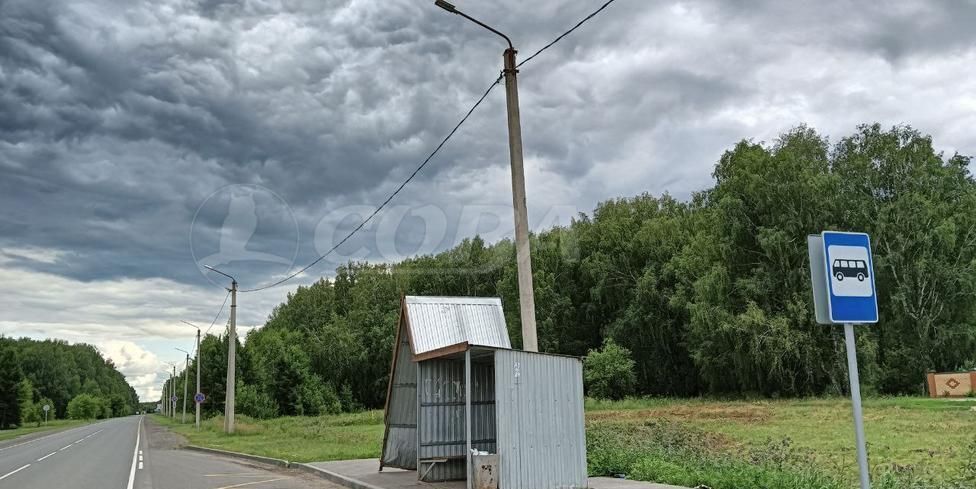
(848, 265)
(174, 398)
(842, 276)
(199, 398)
(46, 408)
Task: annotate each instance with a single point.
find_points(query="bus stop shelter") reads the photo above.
(456, 386)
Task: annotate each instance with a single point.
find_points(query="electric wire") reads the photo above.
(426, 160)
(570, 31)
(222, 304)
(388, 199)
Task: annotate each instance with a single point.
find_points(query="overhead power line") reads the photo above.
(222, 304)
(570, 31)
(426, 160)
(388, 199)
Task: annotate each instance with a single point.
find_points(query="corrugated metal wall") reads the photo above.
(540, 432)
(440, 427)
(401, 439)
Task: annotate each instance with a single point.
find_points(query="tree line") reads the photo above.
(73, 380)
(708, 296)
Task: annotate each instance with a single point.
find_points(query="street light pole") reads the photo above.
(172, 388)
(231, 354)
(522, 250)
(198, 373)
(186, 380)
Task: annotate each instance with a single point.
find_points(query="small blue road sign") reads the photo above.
(199, 398)
(849, 271)
(174, 398)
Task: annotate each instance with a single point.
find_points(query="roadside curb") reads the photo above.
(254, 458)
(330, 476)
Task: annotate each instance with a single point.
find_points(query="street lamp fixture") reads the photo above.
(231, 353)
(452, 9)
(522, 250)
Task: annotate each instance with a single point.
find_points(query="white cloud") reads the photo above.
(135, 323)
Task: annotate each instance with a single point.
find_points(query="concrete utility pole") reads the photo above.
(198, 373)
(164, 402)
(522, 251)
(186, 380)
(172, 388)
(231, 354)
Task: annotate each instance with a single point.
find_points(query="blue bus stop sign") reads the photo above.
(199, 398)
(851, 296)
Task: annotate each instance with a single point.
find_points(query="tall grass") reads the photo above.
(673, 453)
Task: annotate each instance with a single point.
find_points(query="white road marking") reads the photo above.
(8, 474)
(48, 436)
(65, 448)
(135, 453)
(140, 465)
(251, 483)
(242, 474)
(46, 456)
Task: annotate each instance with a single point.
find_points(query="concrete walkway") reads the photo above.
(364, 474)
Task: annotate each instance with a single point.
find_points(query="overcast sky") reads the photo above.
(141, 140)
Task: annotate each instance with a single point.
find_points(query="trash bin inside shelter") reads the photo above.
(485, 468)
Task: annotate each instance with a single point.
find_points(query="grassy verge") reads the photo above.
(913, 442)
(296, 439)
(915, 437)
(51, 425)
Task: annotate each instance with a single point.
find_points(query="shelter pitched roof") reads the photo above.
(438, 323)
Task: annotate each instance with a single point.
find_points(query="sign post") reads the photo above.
(842, 275)
(199, 398)
(46, 408)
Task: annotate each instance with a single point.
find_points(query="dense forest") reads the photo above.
(74, 380)
(709, 296)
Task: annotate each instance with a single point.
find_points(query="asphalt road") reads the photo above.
(107, 455)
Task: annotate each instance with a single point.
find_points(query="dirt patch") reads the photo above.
(160, 438)
(745, 414)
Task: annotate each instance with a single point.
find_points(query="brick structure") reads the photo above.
(951, 384)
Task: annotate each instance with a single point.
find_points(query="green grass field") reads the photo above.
(677, 441)
(297, 439)
(51, 425)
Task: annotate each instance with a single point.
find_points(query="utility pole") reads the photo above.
(172, 388)
(231, 354)
(198, 379)
(523, 252)
(198, 373)
(186, 380)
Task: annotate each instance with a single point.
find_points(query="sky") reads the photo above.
(140, 141)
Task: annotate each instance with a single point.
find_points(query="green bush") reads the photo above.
(30, 412)
(254, 403)
(609, 373)
(87, 406)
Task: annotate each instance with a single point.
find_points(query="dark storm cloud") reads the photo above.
(119, 119)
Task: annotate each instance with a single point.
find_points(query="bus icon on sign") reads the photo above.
(850, 268)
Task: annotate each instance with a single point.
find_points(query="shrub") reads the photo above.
(254, 403)
(609, 373)
(87, 406)
(29, 411)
